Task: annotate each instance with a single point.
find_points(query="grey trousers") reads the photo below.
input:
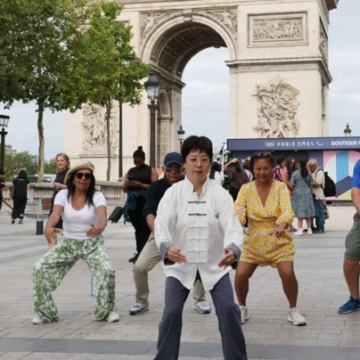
(148, 258)
(228, 313)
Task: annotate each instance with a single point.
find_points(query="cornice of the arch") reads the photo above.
(222, 20)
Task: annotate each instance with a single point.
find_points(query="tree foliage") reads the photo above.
(112, 74)
(63, 53)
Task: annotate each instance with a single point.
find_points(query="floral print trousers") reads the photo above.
(50, 270)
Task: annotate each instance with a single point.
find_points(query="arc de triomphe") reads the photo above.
(278, 64)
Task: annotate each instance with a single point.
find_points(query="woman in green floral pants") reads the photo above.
(83, 210)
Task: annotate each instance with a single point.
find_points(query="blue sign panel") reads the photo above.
(324, 143)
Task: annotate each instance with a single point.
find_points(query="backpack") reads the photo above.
(330, 187)
(276, 174)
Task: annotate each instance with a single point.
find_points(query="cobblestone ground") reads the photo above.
(78, 336)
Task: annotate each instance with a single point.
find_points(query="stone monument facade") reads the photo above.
(278, 64)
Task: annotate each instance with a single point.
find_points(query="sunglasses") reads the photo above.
(80, 175)
(262, 154)
(175, 169)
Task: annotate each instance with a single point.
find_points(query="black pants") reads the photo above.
(19, 207)
(142, 231)
(228, 313)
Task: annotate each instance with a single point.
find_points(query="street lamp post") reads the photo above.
(4, 121)
(347, 131)
(152, 87)
(181, 135)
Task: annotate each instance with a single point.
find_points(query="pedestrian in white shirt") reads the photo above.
(199, 237)
(83, 210)
(215, 173)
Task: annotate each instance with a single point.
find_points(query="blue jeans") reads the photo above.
(319, 209)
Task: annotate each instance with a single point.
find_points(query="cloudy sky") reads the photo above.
(207, 92)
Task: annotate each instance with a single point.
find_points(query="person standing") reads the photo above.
(3, 186)
(173, 172)
(136, 182)
(215, 173)
(302, 201)
(20, 196)
(264, 205)
(83, 210)
(351, 265)
(318, 186)
(198, 237)
(62, 165)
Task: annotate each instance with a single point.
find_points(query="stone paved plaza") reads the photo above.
(77, 336)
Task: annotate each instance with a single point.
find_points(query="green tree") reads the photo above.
(112, 74)
(50, 167)
(37, 58)
(20, 161)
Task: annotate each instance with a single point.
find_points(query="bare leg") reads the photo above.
(289, 282)
(300, 223)
(352, 272)
(309, 223)
(244, 272)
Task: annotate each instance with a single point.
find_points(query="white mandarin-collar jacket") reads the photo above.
(202, 227)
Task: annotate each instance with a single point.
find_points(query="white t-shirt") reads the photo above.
(218, 178)
(77, 223)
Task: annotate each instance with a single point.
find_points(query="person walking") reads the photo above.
(173, 172)
(265, 205)
(215, 173)
(83, 210)
(302, 201)
(3, 186)
(20, 196)
(351, 265)
(237, 177)
(199, 238)
(136, 182)
(318, 186)
(63, 166)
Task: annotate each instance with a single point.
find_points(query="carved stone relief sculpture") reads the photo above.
(277, 29)
(94, 128)
(150, 20)
(277, 114)
(324, 47)
(228, 17)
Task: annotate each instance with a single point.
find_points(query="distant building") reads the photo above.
(9, 150)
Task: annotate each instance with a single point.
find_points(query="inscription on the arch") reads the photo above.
(278, 30)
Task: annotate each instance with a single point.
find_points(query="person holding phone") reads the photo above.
(136, 182)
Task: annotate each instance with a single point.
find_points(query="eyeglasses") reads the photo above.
(175, 169)
(80, 175)
(203, 161)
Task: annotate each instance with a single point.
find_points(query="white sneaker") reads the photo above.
(244, 314)
(298, 233)
(36, 320)
(296, 318)
(113, 317)
(202, 307)
(309, 232)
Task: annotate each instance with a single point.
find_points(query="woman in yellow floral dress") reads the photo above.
(265, 206)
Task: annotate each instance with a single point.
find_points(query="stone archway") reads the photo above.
(278, 65)
(169, 46)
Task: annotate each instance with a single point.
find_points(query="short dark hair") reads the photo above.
(22, 175)
(201, 143)
(264, 155)
(280, 159)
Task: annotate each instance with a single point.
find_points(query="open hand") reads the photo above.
(51, 237)
(174, 254)
(228, 259)
(95, 230)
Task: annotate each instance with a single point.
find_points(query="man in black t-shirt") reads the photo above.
(3, 186)
(150, 256)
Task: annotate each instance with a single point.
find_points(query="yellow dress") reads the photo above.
(260, 247)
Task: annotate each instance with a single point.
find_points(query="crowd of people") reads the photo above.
(200, 222)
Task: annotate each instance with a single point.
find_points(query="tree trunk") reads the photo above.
(108, 138)
(40, 127)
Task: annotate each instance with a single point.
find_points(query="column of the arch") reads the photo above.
(235, 123)
(176, 102)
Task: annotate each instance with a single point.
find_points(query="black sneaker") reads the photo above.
(319, 231)
(13, 221)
